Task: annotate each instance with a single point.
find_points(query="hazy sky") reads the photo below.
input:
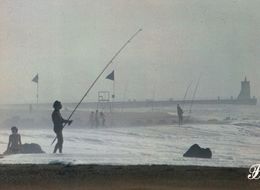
(69, 42)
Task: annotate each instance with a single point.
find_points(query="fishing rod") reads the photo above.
(194, 94)
(91, 86)
(184, 98)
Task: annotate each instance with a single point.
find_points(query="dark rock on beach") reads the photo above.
(31, 149)
(195, 151)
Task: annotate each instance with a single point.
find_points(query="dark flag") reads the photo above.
(36, 78)
(111, 76)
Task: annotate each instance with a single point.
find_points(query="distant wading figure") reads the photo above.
(91, 119)
(180, 114)
(58, 122)
(103, 119)
(14, 144)
(96, 118)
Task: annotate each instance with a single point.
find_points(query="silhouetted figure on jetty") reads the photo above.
(58, 122)
(14, 144)
(180, 114)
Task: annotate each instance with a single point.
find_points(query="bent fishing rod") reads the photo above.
(184, 98)
(194, 94)
(92, 85)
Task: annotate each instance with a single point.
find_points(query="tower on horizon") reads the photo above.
(245, 90)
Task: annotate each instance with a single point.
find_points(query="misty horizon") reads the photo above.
(69, 43)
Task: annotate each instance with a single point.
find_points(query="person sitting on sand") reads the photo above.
(58, 122)
(14, 144)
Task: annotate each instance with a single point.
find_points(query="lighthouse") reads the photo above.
(245, 90)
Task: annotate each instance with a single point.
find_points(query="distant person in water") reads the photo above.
(103, 119)
(14, 144)
(92, 119)
(58, 122)
(180, 114)
(96, 119)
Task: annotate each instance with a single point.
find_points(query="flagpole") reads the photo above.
(111, 76)
(114, 91)
(36, 80)
(37, 95)
(112, 107)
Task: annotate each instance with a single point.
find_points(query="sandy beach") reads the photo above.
(134, 177)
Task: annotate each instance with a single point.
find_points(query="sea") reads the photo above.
(232, 132)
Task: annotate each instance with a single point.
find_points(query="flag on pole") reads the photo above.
(36, 78)
(111, 76)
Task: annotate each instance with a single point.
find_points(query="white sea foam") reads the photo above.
(235, 143)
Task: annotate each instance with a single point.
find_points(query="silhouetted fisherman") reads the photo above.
(180, 114)
(14, 144)
(58, 122)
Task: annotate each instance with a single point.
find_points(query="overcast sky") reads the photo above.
(69, 42)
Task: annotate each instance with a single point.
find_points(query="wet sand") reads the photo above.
(163, 177)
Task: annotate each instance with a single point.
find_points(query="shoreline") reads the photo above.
(57, 176)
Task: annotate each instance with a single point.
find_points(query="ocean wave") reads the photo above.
(246, 124)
